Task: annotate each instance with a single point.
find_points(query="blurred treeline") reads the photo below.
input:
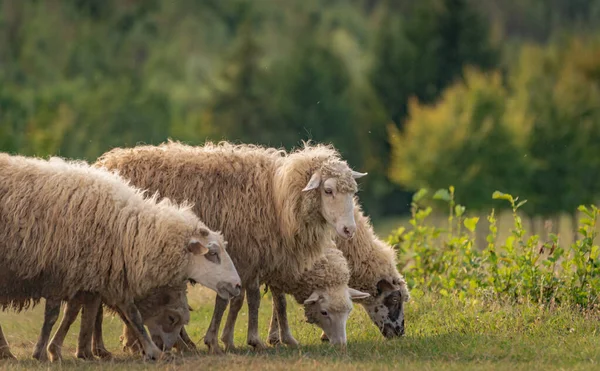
(481, 94)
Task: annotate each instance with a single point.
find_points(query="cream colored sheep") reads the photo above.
(66, 228)
(373, 270)
(323, 290)
(164, 312)
(276, 209)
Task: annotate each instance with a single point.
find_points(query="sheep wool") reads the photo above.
(66, 227)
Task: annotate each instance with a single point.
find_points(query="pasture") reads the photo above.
(442, 333)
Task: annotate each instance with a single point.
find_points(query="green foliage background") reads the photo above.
(483, 94)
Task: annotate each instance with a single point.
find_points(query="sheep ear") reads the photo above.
(196, 248)
(356, 174)
(314, 182)
(384, 285)
(313, 298)
(204, 232)
(357, 295)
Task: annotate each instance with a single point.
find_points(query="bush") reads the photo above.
(447, 260)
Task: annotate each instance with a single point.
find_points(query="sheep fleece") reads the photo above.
(67, 227)
(250, 193)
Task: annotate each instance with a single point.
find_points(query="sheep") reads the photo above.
(276, 209)
(373, 270)
(66, 228)
(323, 290)
(164, 311)
(164, 308)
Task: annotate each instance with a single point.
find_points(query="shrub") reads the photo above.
(447, 260)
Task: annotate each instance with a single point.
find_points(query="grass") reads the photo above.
(442, 333)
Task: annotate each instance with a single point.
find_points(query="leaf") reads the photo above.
(459, 210)
(502, 196)
(471, 223)
(442, 194)
(521, 203)
(420, 195)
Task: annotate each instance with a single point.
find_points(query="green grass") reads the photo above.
(442, 333)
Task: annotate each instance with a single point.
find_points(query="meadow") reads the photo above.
(442, 333)
(521, 302)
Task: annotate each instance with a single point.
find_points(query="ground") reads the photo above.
(442, 333)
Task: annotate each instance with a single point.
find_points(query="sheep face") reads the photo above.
(329, 309)
(168, 317)
(337, 186)
(387, 308)
(211, 265)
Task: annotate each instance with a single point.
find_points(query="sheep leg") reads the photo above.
(184, 342)
(210, 339)
(4, 348)
(280, 305)
(71, 312)
(129, 341)
(273, 338)
(51, 313)
(98, 348)
(253, 295)
(235, 305)
(133, 319)
(86, 330)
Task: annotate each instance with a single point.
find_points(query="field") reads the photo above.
(482, 330)
(441, 334)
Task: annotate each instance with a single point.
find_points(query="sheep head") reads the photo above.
(336, 183)
(329, 309)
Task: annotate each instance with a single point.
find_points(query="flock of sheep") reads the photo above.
(129, 232)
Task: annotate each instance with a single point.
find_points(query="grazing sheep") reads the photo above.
(164, 311)
(276, 209)
(165, 308)
(67, 228)
(373, 270)
(324, 292)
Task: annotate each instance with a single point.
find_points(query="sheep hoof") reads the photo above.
(102, 353)
(84, 354)
(229, 347)
(273, 340)
(290, 341)
(257, 344)
(54, 352)
(213, 346)
(166, 357)
(6, 354)
(40, 354)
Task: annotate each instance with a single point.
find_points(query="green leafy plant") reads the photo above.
(520, 268)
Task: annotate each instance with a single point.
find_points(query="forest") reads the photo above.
(479, 94)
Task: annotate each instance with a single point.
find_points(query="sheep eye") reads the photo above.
(328, 191)
(324, 312)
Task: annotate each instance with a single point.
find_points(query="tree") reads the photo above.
(240, 104)
(421, 55)
(560, 89)
(469, 139)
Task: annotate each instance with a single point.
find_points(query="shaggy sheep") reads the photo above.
(164, 312)
(66, 228)
(373, 269)
(323, 290)
(274, 208)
